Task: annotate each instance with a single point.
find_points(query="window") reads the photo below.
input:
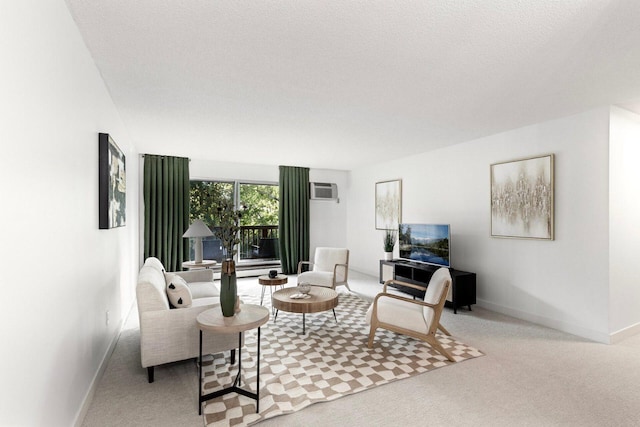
(258, 225)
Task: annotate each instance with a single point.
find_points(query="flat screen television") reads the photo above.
(428, 243)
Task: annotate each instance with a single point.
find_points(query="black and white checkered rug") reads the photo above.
(329, 361)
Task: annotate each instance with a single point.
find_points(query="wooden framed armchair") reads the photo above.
(330, 268)
(418, 319)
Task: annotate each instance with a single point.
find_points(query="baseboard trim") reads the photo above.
(567, 327)
(625, 333)
(88, 398)
(250, 272)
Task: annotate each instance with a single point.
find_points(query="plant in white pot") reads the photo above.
(389, 243)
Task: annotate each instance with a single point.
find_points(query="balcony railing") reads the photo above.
(257, 243)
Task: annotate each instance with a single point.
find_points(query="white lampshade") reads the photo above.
(198, 229)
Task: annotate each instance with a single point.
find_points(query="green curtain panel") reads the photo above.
(293, 217)
(166, 209)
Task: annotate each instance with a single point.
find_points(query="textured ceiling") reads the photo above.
(339, 84)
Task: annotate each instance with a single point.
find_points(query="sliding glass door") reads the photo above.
(259, 223)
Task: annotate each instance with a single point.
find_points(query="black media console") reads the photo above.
(462, 292)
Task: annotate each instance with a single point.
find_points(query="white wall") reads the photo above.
(561, 283)
(327, 218)
(624, 189)
(60, 272)
(218, 170)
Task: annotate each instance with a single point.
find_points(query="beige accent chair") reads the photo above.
(330, 268)
(418, 319)
(171, 334)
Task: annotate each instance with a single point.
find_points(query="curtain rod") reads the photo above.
(163, 156)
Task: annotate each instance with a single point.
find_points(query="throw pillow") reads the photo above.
(168, 277)
(178, 292)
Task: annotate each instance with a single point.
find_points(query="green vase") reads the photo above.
(228, 288)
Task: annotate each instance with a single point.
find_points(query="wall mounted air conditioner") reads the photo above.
(323, 191)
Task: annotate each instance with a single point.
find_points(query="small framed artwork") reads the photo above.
(388, 204)
(112, 183)
(522, 198)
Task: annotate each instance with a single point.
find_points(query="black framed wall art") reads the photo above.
(112, 183)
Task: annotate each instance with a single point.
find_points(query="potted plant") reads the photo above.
(389, 242)
(228, 225)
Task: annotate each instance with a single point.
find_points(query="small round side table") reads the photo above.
(250, 316)
(279, 280)
(206, 263)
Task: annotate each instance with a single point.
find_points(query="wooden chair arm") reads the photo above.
(401, 298)
(335, 268)
(335, 272)
(301, 263)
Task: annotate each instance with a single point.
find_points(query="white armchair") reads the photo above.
(418, 319)
(330, 268)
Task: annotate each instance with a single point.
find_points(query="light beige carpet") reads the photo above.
(330, 361)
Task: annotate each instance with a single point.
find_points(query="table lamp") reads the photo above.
(198, 229)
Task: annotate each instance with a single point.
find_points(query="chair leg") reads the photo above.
(443, 329)
(348, 288)
(150, 373)
(233, 356)
(372, 335)
(438, 347)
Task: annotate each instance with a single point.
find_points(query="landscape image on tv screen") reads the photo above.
(425, 243)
